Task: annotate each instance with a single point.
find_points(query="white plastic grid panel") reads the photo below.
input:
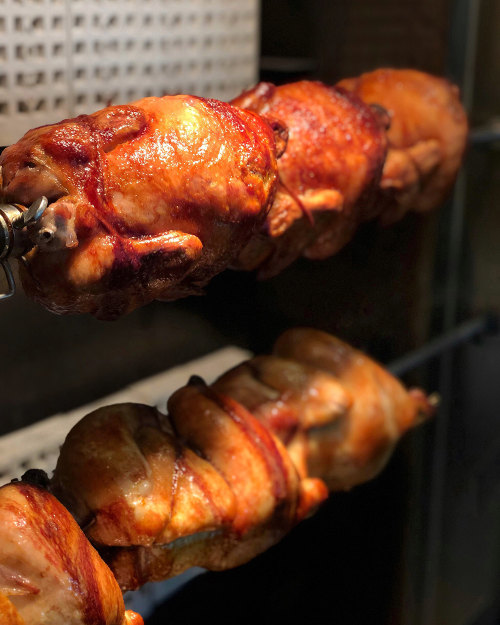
(37, 446)
(33, 65)
(60, 58)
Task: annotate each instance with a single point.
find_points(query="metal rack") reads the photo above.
(462, 53)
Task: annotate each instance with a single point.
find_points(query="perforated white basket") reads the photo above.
(37, 446)
(60, 58)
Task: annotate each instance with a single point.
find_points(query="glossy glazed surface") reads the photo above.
(151, 200)
(330, 168)
(147, 201)
(206, 486)
(427, 136)
(235, 465)
(49, 572)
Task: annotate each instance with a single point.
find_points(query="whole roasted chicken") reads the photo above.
(427, 133)
(146, 201)
(327, 176)
(339, 413)
(233, 466)
(335, 173)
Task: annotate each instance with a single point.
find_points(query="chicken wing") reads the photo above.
(146, 201)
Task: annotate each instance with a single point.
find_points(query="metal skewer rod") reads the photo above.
(485, 324)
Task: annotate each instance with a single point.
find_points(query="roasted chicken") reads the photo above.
(330, 172)
(146, 201)
(151, 200)
(49, 572)
(339, 413)
(427, 133)
(234, 466)
(327, 175)
(207, 486)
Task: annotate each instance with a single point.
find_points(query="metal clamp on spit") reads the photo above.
(14, 240)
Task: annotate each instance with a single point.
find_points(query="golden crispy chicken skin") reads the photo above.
(427, 136)
(235, 465)
(151, 200)
(8, 613)
(146, 201)
(206, 486)
(328, 172)
(338, 412)
(49, 572)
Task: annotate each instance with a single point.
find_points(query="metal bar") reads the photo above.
(486, 324)
(485, 135)
(461, 67)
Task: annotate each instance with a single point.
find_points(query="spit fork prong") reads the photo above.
(32, 214)
(14, 240)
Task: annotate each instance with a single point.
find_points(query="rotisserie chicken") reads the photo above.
(151, 200)
(339, 413)
(427, 134)
(208, 486)
(146, 201)
(327, 175)
(234, 466)
(330, 171)
(49, 572)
